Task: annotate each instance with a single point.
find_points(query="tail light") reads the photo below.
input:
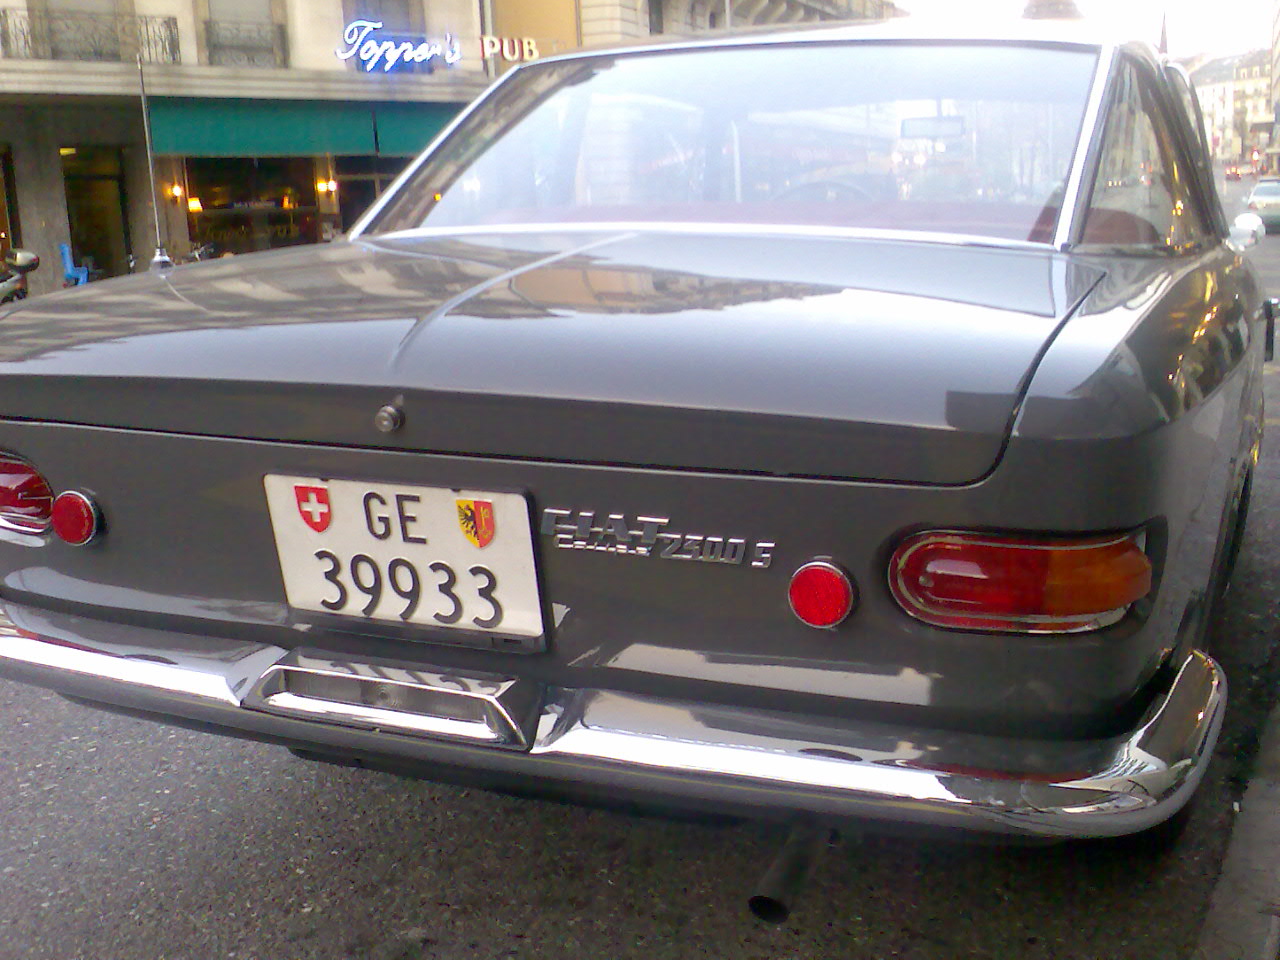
(26, 502)
(1252, 205)
(977, 581)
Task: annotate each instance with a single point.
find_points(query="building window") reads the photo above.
(241, 33)
(656, 25)
(392, 14)
(87, 30)
(402, 19)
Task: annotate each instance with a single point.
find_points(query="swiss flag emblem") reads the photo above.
(313, 506)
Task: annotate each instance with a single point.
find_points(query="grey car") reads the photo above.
(1264, 200)
(832, 427)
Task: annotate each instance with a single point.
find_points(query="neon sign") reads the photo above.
(392, 52)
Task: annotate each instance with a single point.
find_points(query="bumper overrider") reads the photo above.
(593, 745)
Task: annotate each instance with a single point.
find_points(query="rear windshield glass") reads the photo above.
(970, 139)
(1267, 190)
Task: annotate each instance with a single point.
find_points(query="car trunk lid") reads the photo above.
(822, 356)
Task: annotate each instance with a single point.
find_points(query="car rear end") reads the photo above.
(697, 479)
(763, 609)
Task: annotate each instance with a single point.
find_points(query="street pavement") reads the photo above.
(1243, 920)
(125, 840)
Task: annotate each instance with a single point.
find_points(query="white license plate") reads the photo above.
(456, 559)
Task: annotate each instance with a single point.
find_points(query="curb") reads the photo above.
(1243, 922)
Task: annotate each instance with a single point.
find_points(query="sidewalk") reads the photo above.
(1243, 922)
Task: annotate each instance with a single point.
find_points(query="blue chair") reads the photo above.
(72, 276)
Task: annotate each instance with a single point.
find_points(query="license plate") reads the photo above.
(432, 556)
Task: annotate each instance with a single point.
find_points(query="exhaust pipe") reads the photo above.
(778, 890)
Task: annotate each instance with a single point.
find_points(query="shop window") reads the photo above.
(361, 181)
(238, 205)
(97, 209)
(10, 231)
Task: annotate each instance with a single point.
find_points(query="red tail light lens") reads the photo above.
(983, 582)
(26, 502)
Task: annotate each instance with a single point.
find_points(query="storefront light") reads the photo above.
(175, 191)
(194, 205)
(326, 186)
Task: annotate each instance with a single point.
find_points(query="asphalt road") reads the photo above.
(124, 840)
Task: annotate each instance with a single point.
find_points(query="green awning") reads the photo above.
(284, 128)
(405, 128)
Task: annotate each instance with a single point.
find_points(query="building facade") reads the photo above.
(1235, 98)
(274, 122)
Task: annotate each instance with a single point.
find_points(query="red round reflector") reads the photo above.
(25, 498)
(75, 518)
(821, 594)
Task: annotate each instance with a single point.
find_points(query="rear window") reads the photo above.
(954, 138)
(1267, 190)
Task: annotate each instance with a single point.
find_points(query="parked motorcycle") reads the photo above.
(13, 274)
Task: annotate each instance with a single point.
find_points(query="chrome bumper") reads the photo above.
(584, 744)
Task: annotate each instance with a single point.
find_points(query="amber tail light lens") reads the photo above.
(976, 581)
(26, 502)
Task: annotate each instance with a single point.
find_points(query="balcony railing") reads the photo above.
(69, 35)
(232, 43)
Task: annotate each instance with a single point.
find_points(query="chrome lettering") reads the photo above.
(669, 543)
(692, 548)
(734, 550)
(552, 522)
(616, 527)
(646, 536)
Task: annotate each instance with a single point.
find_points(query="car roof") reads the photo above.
(1058, 33)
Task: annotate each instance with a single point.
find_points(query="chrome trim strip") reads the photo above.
(374, 718)
(897, 31)
(1090, 131)
(1157, 766)
(215, 672)
(504, 709)
(610, 742)
(623, 227)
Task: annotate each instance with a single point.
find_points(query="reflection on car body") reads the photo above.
(946, 374)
